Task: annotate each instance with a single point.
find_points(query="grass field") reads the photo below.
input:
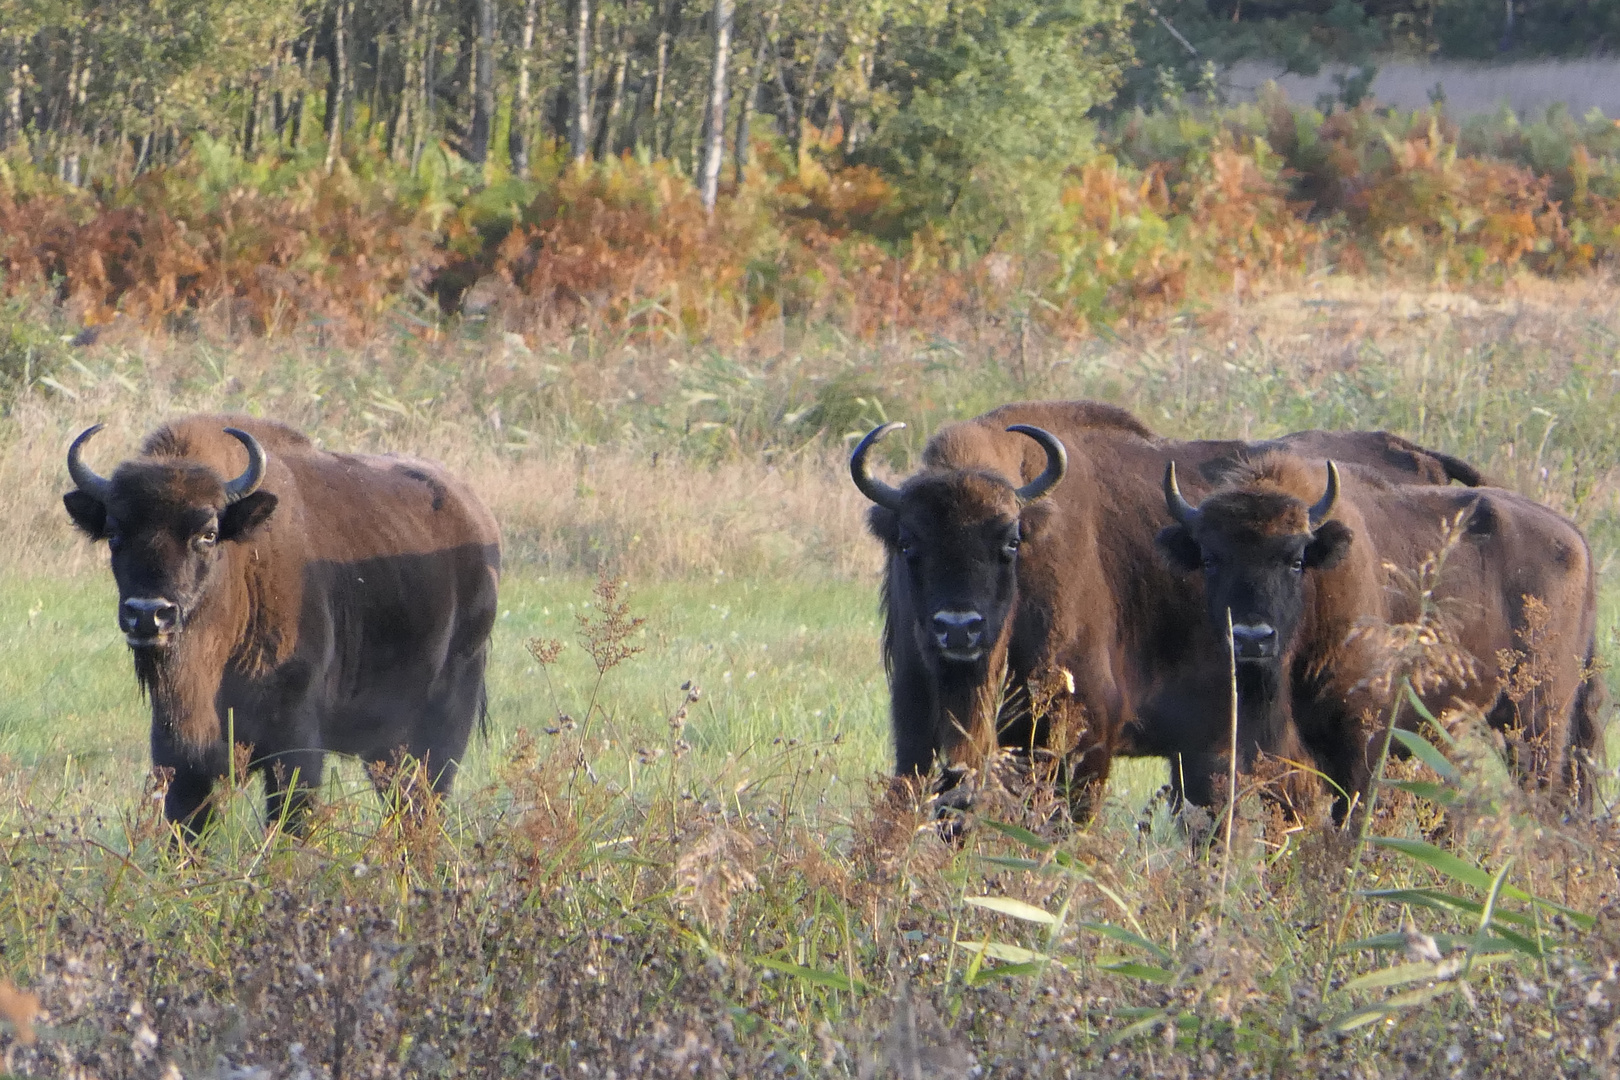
(730, 890)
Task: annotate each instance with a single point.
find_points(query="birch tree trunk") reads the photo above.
(621, 67)
(424, 107)
(709, 189)
(580, 132)
(483, 120)
(666, 25)
(335, 87)
(410, 56)
(517, 140)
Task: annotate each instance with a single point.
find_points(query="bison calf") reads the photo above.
(1297, 554)
(321, 601)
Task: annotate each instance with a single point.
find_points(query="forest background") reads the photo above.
(706, 166)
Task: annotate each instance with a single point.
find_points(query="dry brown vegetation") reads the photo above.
(606, 900)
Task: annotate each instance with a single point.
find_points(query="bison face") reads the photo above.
(956, 573)
(1254, 547)
(953, 540)
(165, 523)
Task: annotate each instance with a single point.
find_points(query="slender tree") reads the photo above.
(580, 132)
(709, 185)
(336, 86)
(483, 120)
(517, 140)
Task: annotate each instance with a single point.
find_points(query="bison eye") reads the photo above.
(1297, 564)
(1009, 550)
(206, 539)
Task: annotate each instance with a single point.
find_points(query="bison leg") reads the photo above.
(189, 802)
(913, 714)
(290, 781)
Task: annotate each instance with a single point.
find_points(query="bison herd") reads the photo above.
(1059, 582)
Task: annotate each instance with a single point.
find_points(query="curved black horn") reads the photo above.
(1057, 462)
(246, 484)
(84, 477)
(1324, 505)
(873, 488)
(1183, 511)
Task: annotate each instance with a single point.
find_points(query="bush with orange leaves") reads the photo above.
(330, 247)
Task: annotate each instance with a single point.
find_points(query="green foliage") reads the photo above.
(991, 94)
(32, 349)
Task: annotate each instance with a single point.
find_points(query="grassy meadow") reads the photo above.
(689, 863)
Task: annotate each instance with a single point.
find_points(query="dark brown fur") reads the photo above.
(353, 617)
(1338, 664)
(1094, 603)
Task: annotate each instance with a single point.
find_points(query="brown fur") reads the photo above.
(289, 621)
(1095, 604)
(1513, 556)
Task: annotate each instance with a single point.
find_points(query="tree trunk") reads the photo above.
(743, 151)
(517, 141)
(716, 134)
(666, 31)
(424, 108)
(808, 97)
(399, 124)
(335, 87)
(621, 65)
(13, 130)
(250, 124)
(580, 135)
(483, 120)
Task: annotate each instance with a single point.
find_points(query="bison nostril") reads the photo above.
(958, 629)
(1254, 639)
(146, 617)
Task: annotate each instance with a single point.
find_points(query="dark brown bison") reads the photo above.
(1297, 552)
(311, 601)
(1022, 555)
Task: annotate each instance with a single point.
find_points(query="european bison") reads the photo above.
(1297, 553)
(1024, 548)
(320, 601)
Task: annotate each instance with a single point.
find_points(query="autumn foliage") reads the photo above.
(1178, 208)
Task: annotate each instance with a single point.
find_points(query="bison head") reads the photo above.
(165, 521)
(953, 538)
(1254, 545)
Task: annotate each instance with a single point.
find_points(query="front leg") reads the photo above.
(291, 779)
(189, 801)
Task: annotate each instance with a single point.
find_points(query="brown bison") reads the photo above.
(1297, 552)
(1022, 555)
(311, 601)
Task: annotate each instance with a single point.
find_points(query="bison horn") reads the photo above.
(246, 484)
(1324, 505)
(873, 488)
(1057, 462)
(84, 477)
(1184, 512)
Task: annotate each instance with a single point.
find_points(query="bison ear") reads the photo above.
(884, 524)
(240, 519)
(1330, 544)
(1179, 548)
(88, 513)
(1033, 520)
